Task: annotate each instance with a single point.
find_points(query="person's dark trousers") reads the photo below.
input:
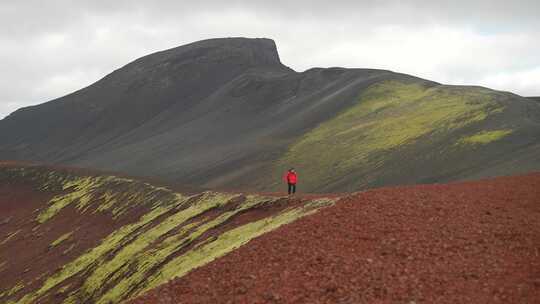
(292, 188)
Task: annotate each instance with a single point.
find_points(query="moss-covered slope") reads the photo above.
(149, 234)
(398, 127)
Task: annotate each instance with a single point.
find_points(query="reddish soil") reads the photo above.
(28, 255)
(473, 242)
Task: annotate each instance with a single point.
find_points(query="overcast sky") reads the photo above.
(51, 48)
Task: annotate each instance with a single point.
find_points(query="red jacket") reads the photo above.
(290, 177)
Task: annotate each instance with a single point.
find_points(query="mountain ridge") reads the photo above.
(225, 113)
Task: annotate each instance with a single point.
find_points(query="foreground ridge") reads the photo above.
(73, 237)
(474, 242)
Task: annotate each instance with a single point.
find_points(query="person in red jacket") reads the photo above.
(291, 178)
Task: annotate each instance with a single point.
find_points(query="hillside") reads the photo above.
(226, 113)
(473, 242)
(74, 236)
(68, 236)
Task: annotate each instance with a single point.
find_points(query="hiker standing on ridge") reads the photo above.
(291, 178)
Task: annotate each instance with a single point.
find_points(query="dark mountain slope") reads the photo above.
(227, 113)
(132, 95)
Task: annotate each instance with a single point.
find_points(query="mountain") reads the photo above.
(535, 98)
(226, 113)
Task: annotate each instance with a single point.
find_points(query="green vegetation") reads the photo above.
(13, 290)
(116, 240)
(135, 252)
(168, 240)
(485, 137)
(388, 116)
(80, 191)
(64, 289)
(229, 241)
(81, 188)
(61, 239)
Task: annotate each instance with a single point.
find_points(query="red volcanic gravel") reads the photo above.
(473, 242)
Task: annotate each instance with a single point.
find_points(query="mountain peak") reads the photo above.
(238, 50)
(219, 58)
(263, 49)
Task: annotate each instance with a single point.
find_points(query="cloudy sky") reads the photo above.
(47, 51)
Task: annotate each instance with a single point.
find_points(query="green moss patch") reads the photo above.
(85, 262)
(19, 286)
(387, 117)
(227, 242)
(79, 190)
(485, 137)
(93, 193)
(61, 239)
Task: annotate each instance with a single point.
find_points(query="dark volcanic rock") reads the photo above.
(132, 95)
